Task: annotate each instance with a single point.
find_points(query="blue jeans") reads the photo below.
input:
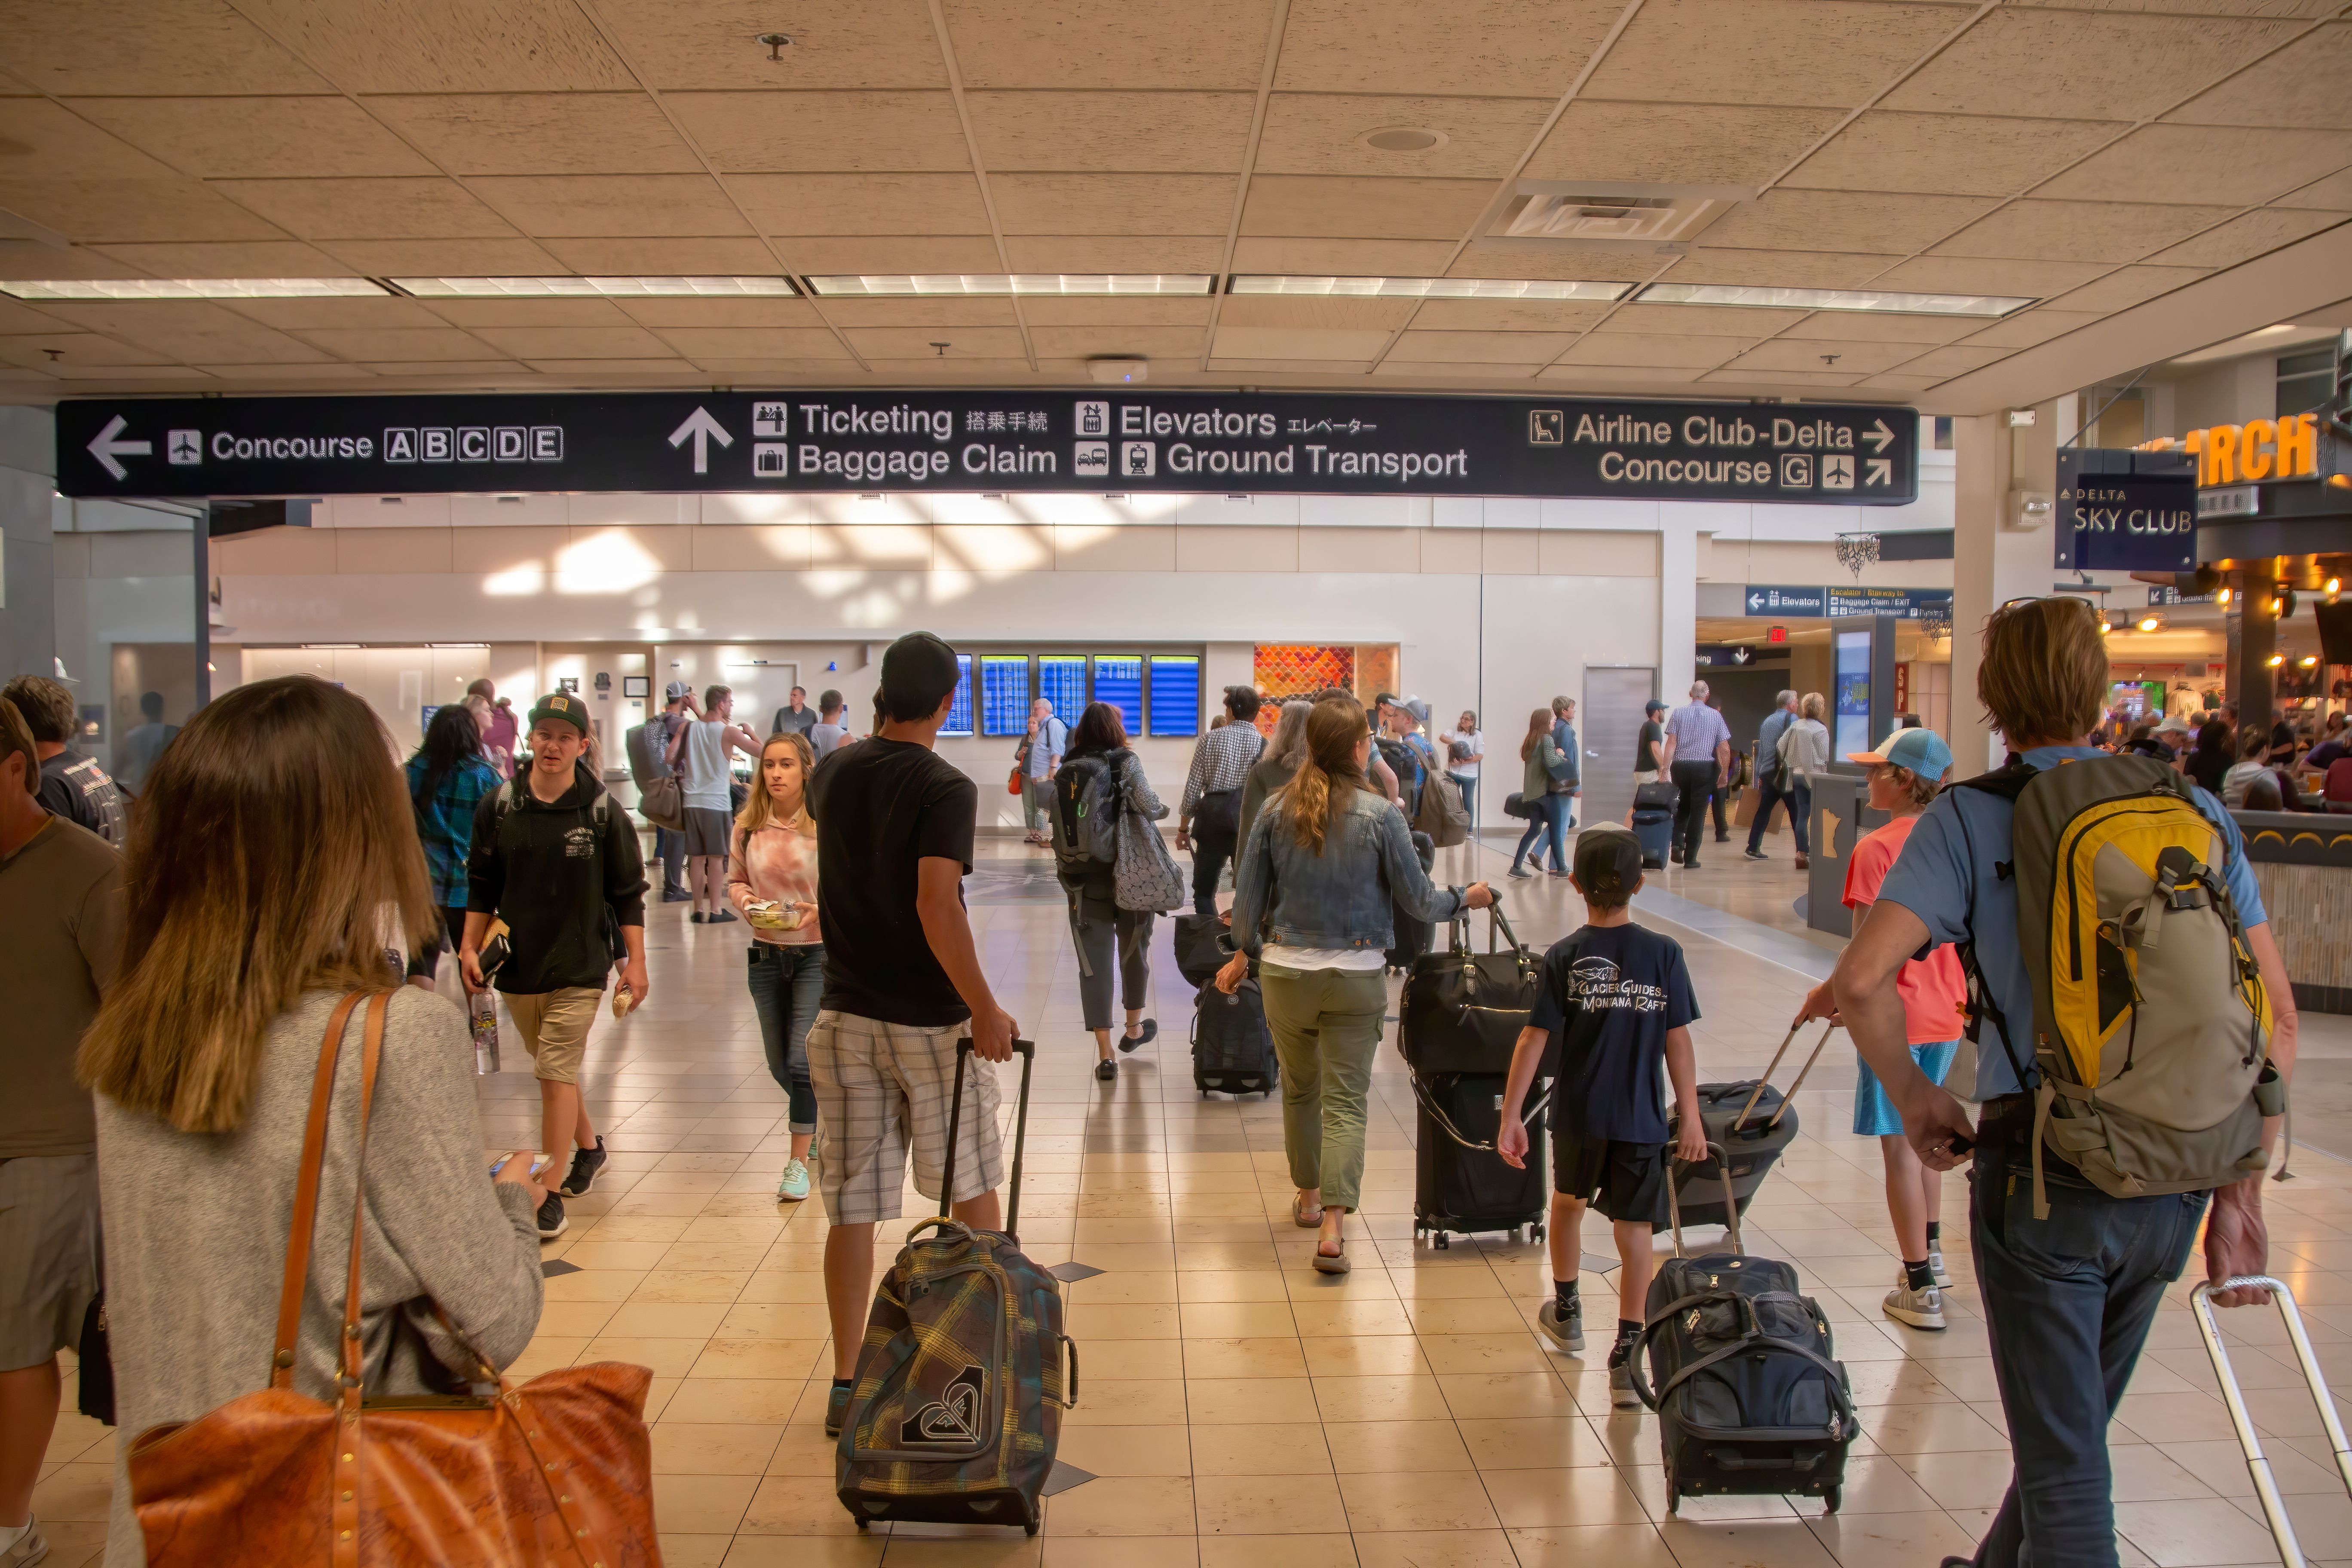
(1469, 788)
(786, 984)
(669, 848)
(1772, 789)
(1551, 815)
(2068, 1301)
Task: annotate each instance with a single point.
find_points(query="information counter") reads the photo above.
(2302, 862)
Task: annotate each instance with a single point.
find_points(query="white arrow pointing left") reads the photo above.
(1879, 437)
(106, 448)
(705, 430)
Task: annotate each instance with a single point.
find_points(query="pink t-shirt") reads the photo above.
(777, 864)
(1934, 991)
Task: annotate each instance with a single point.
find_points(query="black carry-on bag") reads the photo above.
(1653, 822)
(1410, 936)
(1754, 1121)
(1460, 1184)
(1463, 1011)
(965, 1372)
(1233, 1050)
(1200, 947)
(2258, 1465)
(1750, 1398)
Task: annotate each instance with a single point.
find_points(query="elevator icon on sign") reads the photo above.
(1093, 419)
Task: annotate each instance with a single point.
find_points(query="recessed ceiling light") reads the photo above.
(999, 283)
(189, 288)
(1831, 299)
(1429, 288)
(591, 288)
(1404, 139)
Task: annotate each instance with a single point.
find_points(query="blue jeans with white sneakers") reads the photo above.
(787, 983)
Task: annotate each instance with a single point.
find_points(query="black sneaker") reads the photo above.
(551, 1222)
(585, 1164)
(697, 917)
(1756, 855)
(720, 917)
(677, 896)
(836, 1409)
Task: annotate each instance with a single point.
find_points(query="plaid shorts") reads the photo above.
(884, 1089)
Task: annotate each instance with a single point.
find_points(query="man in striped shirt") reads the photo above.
(1210, 819)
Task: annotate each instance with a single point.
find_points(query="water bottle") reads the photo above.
(484, 1010)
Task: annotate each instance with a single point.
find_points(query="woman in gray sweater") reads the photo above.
(271, 849)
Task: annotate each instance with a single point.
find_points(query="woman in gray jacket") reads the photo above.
(1804, 750)
(270, 851)
(1325, 863)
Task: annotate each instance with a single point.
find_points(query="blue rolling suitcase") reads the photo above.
(1653, 822)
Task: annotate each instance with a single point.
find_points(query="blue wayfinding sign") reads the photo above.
(2126, 511)
(1804, 601)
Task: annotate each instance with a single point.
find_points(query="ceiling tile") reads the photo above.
(472, 314)
(1207, 45)
(573, 342)
(2299, 87)
(1466, 374)
(256, 138)
(631, 372)
(446, 46)
(917, 343)
(906, 311)
(2247, 236)
(2080, 231)
(542, 133)
(1468, 46)
(2332, 192)
(710, 45)
(1083, 342)
(127, 318)
(1780, 269)
(441, 368)
(817, 131)
(1982, 275)
(72, 350)
(1322, 312)
(1737, 376)
(135, 46)
(1825, 356)
(2100, 66)
(2161, 163)
(1683, 143)
(2027, 327)
(392, 208)
(1508, 315)
(320, 374)
(895, 253)
(1767, 51)
(663, 314)
(248, 258)
(1543, 258)
(300, 315)
(1642, 349)
(608, 255)
(1949, 154)
(1329, 207)
(862, 203)
(43, 139)
(805, 370)
(2304, 8)
(129, 377)
(1176, 132)
(442, 257)
(249, 344)
(1705, 321)
(2126, 287)
(1099, 310)
(372, 344)
(1343, 258)
(1786, 219)
(16, 316)
(1113, 204)
(125, 212)
(1901, 384)
(1956, 359)
(620, 204)
(1576, 377)
(1483, 348)
(1115, 253)
(1869, 327)
(1298, 343)
(1322, 134)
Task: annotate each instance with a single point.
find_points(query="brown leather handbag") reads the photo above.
(558, 1471)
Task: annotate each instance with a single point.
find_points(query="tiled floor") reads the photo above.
(1239, 1409)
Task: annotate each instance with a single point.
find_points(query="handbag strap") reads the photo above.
(306, 1197)
(371, 1052)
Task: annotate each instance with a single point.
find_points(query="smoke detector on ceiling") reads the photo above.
(1542, 213)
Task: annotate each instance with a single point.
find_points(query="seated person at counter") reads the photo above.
(2332, 748)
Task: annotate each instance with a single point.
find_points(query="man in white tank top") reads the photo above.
(698, 752)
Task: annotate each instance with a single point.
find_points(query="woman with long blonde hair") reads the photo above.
(1325, 865)
(772, 880)
(273, 854)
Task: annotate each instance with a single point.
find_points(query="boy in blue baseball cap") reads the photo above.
(1907, 771)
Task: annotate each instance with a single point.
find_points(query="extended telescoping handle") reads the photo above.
(1730, 1198)
(1027, 1052)
(2266, 1485)
(1789, 1098)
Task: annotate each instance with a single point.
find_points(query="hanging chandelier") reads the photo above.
(1856, 551)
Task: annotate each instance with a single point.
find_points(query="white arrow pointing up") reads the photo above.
(106, 448)
(705, 430)
(1879, 437)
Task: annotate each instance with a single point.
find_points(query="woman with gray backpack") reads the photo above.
(1116, 872)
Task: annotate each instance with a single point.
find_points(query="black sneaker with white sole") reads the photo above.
(551, 1222)
(1564, 1330)
(585, 1164)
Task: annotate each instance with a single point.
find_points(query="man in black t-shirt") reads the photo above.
(72, 786)
(902, 985)
(1645, 752)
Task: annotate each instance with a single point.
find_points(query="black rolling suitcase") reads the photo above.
(1755, 1123)
(1460, 1184)
(1653, 822)
(1411, 935)
(1232, 1050)
(1751, 1400)
(965, 1371)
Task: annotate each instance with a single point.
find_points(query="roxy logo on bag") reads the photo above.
(953, 1419)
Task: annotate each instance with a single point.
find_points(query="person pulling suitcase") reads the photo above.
(1619, 997)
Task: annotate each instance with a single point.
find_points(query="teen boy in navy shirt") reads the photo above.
(1619, 997)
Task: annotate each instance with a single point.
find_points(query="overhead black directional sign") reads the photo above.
(1312, 443)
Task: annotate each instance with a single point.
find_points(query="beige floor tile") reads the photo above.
(959, 1546)
(1222, 1358)
(1456, 1353)
(1502, 1395)
(2196, 1532)
(1387, 1446)
(684, 1450)
(666, 1319)
(1277, 1552)
(1933, 1429)
(733, 1400)
(1532, 1443)
(1119, 1551)
(1385, 1398)
(1203, 1285)
(76, 1493)
(812, 1548)
(1124, 1359)
(1118, 1402)
(1266, 1449)
(1149, 1322)
(664, 1358)
(802, 1504)
(1250, 1401)
(794, 1359)
(1237, 1320)
(1271, 1505)
(1364, 1355)
(1542, 1498)
(1890, 1540)
(1588, 1545)
(1746, 1544)
(695, 1286)
(1434, 1548)
(711, 1504)
(1124, 1505)
(1414, 1500)
(1129, 1450)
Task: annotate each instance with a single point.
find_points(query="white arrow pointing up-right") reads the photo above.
(705, 430)
(1879, 437)
(106, 448)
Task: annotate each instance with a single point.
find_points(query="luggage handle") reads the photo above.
(2257, 1464)
(1027, 1052)
(1499, 925)
(1069, 1400)
(1730, 1198)
(1740, 1120)
(1528, 1118)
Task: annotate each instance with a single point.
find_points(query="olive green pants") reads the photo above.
(1327, 1030)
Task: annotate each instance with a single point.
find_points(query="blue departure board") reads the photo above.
(1062, 679)
(1004, 695)
(1119, 682)
(960, 714)
(1175, 695)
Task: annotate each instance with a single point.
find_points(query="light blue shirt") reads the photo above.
(1053, 739)
(1696, 730)
(1946, 876)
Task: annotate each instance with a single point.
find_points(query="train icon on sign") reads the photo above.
(1138, 459)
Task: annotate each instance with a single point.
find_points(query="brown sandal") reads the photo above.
(1326, 1264)
(1298, 1215)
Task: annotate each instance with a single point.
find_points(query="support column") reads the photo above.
(28, 639)
(1992, 561)
(2252, 683)
(1677, 605)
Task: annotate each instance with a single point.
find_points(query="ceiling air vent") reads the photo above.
(1542, 213)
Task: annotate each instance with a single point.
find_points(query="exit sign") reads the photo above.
(1778, 634)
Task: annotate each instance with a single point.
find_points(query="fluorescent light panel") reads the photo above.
(593, 287)
(1430, 288)
(189, 288)
(1831, 299)
(875, 285)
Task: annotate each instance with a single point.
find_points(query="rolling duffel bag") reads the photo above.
(1233, 1050)
(1200, 950)
(965, 1372)
(1750, 1398)
(1752, 1120)
(1460, 1184)
(1463, 1011)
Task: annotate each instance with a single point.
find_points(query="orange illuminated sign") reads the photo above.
(2284, 448)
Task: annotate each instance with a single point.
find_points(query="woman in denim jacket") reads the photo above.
(1325, 864)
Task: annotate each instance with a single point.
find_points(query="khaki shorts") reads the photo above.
(883, 1091)
(554, 1029)
(49, 1255)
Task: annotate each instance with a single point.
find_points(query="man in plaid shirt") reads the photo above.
(1208, 822)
